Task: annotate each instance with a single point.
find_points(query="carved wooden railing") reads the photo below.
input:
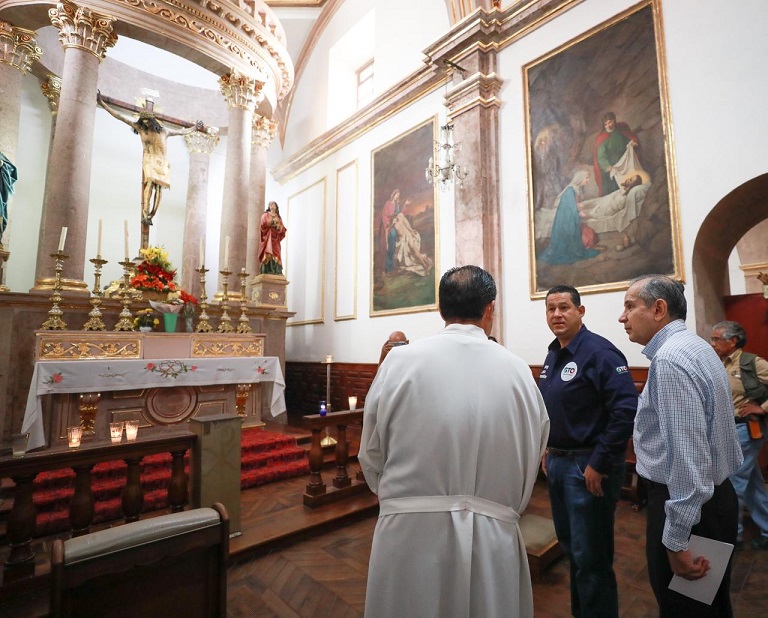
(316, 493)
(22, 518)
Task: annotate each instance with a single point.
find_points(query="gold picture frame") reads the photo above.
(602, 183)
(404, 224)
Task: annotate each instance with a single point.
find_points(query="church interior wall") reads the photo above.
(711, 84)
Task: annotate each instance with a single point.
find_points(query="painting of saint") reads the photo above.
(602, 197)
(403, 273)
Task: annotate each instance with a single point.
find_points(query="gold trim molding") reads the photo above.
(18, 47)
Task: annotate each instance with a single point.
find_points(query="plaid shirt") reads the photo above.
(685, 437)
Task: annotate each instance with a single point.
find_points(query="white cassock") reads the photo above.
(453, 432)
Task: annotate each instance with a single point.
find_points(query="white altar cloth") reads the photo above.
(88, 376)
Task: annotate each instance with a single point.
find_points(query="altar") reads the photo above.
(77, 380)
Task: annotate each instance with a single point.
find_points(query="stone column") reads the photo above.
(474, 107)
(51, 89)
(200, 145)
(264, 131)
(18, 50)
(85, 36)
(243, 94)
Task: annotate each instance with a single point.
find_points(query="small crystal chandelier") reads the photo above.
(442, 167)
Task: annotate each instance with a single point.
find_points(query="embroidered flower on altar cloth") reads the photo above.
(56, 378)
(262, 371)
(170, 369)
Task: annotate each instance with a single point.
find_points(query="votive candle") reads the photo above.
(352, 403)
(74, 436)
(131, 430)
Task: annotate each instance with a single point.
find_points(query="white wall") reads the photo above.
(715, 60)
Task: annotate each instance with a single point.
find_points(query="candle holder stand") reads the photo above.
(243, 325)
(203, 325)
(94, 317)
(125, 323)
(54, 321)
(225, 323)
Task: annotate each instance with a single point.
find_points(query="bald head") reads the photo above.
(395, 339)
(398, 336)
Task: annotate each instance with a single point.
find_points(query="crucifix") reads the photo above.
(155, 169)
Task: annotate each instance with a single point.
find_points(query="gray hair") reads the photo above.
(661, 287)
(732, 330)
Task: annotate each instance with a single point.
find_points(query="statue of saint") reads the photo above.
(8, 178)
(272, 232)
(155, 169)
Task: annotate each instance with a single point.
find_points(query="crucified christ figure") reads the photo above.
(155, 169)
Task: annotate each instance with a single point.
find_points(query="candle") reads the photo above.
(352, 403)
(202, 254)
(226, 253)
(127, 251)
(116, 432)
(98, 242)
(62, 239)
(328, 358)
(131, 430)
(74, 435)
(323, 410)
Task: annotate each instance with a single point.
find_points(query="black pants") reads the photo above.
(719, 519)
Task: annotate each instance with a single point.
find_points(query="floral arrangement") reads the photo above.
(145, 318)
(155, 271)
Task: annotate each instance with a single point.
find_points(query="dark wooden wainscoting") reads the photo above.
(306, 383)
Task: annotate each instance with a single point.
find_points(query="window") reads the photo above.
(364, 84)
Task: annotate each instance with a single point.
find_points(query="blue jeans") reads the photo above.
(584, 527)
(749, 484)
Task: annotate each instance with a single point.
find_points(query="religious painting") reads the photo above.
(404, 225)
(601, 177)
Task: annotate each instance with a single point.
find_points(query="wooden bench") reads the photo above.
(540, 543)
(171, 565)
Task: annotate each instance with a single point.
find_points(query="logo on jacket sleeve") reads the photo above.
(569, 372)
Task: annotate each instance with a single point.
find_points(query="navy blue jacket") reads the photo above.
(591, 398)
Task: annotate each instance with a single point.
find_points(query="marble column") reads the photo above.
(85, 36)
(51, 89)
(473, 105)
(243, 94)
(18, 50)
(264, 131)
(200, 145)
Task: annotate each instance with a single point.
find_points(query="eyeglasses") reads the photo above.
(716, 339)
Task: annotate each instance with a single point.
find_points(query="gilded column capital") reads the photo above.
(202, 141)
(264, 131)
(82, 28)
(241, 90)
(18, 47)
(51, 88)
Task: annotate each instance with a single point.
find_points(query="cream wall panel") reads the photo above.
(345, 288)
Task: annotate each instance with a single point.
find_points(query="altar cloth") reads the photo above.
(88, 376)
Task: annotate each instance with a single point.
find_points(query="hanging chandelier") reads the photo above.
(442, 168)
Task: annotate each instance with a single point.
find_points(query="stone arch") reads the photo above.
(731, 218)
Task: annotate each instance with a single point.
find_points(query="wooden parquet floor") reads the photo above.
(324, 575)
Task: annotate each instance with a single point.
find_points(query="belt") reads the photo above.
(569, 452)
(441, 504)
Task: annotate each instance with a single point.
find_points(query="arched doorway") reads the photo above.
(731, 218)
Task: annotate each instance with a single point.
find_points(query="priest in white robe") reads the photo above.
(453, 432)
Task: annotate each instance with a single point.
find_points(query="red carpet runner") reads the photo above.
(266, 456)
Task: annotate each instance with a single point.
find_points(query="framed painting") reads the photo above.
(602, 187)
(404, 225)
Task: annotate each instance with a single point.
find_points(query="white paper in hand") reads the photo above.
(705, 589)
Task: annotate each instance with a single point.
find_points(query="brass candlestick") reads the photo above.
(225, 323)
(94, 317)
(125, 322)
(54, 321)
(203, 325)
(243, 325)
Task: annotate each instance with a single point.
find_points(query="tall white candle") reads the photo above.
(62, 239)
(202, 254)
(127, 251)
(226, 253)
(98, 242)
